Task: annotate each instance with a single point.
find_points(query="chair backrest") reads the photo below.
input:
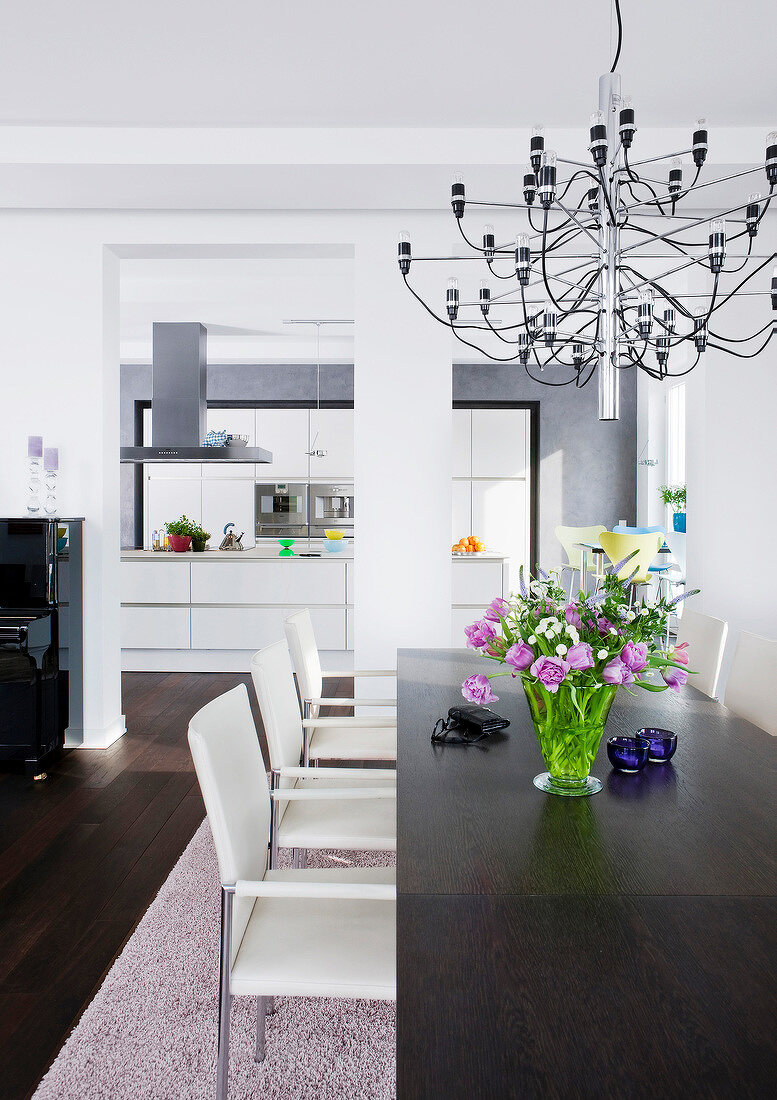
(706, 638)
(617, 545)
(624, 529)
(750, 687)
(232, 777)
(568, 536)
(304, 655)
(273, 679)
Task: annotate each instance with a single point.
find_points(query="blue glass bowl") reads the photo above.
(628, 754)
(663, 744)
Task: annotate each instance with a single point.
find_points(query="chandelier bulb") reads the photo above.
(546, 178)
(669, 320)
(774, 288)
(452, 299)
(488, 242)
(675, 176)
(598, 146)
(753, 213)
(717, 245)
(524, 345)
(549, 323)
(458, 195)
(529, 185)
(700, 331)
(771, 156)
(536, 146)
(645, 313)
(593, 200)
(523, 258)
(662, 351)
(626, 127)
(700, 142)
(577, 355)
(485, 297)
(404, 254)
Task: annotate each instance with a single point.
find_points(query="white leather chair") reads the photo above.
(342, 738)
(307, 664)
(706, 638)
(305, 812)
(282, 932)
(750, 687)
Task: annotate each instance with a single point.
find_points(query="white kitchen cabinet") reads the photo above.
(335, 436)
(461, 617)
(284, 432)
(167, 499)
(349, 589)
(155, 627)
(462, 512)
(228, 500)
(301, 583)
(350, 620)
(500, 442)
(500, 511)
(462, 443)
(253, 627)
(236, 422)
(476, 583)
(154, 581)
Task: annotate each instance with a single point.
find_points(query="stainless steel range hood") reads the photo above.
(179, 404)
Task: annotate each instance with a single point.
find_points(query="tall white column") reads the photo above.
(403, 424)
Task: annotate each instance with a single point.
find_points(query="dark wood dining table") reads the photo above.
(621, 945)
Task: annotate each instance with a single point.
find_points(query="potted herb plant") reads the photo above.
(181, 532)
(199, 538)
(674, 496)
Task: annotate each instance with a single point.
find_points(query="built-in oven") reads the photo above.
(331, 506)
(282, 510)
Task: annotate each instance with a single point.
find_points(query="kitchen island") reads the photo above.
(208, 612)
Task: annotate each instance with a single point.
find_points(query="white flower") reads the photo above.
(533, 640)
(644, 611)
(612, 630)
(631, 616)
(561, 650)
(572, 632)
(602, 655)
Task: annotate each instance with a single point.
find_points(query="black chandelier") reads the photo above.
(597, 308)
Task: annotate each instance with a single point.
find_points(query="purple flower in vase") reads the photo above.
(679, 653)
(479, 634)
(674, 678)
(580, 657)
(572, 615)
(496, 608)
(634, 656)
(616, 672)
(550, 671)
(605, 626)
(477, 689)
(520, 656)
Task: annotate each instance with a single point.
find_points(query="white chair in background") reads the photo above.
(750, 686)
(281, 931)
(306, 810)
(310, 677)
(706, 638)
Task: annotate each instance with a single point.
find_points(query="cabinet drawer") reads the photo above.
(476, 582)
(155, 581)
(254, 627)
(155, 627)
(269, 582)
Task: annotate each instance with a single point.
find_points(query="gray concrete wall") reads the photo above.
(588, 468)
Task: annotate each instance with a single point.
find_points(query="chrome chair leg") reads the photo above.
(272, 861)
(261, 1012)
(269, 1005)
(295, 858)
(306, 748)
(303, 857)
(225, 996)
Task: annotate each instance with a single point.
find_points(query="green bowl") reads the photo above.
(286, 552)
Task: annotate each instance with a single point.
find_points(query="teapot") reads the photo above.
(231, 541)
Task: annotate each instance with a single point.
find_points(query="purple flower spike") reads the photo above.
(683, 596)
(542, 573)
(524, 589)
(592, 601)
(617, 568)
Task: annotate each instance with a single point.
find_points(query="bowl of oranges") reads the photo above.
(471, 545)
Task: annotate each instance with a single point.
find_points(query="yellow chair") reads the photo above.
(568, 537)
(618, 545)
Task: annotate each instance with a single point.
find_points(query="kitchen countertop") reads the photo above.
(270, 552)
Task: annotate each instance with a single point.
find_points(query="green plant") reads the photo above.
(182, 526)
(674, 496)
(199, 537)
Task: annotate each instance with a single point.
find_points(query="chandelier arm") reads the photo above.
(580, 226)
(664, 293)
(442, 320)
(710, 183)
(667, 240)
(663, 156)
(746, 280)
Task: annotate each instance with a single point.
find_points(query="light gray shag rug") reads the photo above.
(151, 1030)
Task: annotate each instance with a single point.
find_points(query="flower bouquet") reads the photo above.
(572, 657)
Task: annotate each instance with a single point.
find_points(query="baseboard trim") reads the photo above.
(96, 738)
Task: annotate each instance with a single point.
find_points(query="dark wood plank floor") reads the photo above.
(83, 854)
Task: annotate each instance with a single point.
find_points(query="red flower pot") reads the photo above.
(180, 543)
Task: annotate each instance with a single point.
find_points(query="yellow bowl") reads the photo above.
(334, 535)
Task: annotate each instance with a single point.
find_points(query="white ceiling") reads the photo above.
(243, 303)
(425, 63)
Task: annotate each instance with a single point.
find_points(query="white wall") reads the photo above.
(59, 346)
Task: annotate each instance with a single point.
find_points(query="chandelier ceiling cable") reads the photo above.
(584, 299)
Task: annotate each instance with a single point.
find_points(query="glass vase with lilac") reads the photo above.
(572, 657)
(34, 473)
(50, 472)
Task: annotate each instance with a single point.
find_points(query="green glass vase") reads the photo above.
(569, 724)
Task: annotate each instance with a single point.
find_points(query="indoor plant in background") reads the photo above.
(199, 538)
(572, 657)
(181, 532)
(674, 497)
